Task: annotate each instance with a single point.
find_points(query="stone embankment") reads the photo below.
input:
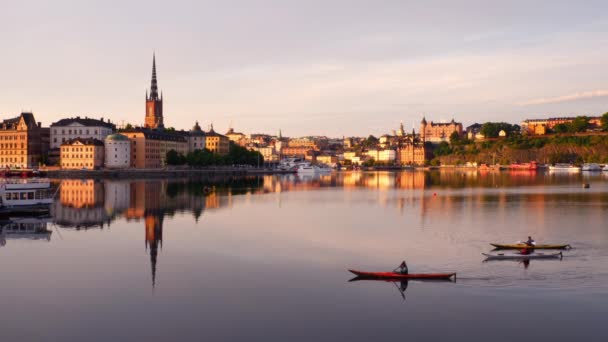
(160, 173)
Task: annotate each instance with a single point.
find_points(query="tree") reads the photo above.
(129, 126)
(175, 158)
(442, 149)
(604, 122)
(492, 129)
(580, 124)
(561, 128)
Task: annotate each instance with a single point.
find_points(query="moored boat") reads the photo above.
(531, 166)
(561, 167)
(25, 196)
(398, 276)
(524, 246)
(516, 256)
(591, 167)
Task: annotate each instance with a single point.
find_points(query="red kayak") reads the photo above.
(398, 276)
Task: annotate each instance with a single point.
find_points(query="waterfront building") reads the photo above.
(81, 153)
(117, 151)
(217, 143)
(438, 132)
(196, 138)
(387, 156)
(349, 155)
(303, 143)
(544, 126)
(413, 151)
(474, 132)
(296, 151)
(154, 103)
(149, 147)
(327, 159)
(23, 142)
(236, 137)
(85, 128)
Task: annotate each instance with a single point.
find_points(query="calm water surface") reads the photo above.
(257, 259)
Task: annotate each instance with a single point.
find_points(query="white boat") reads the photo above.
(322, 168)
(25, 195)
(290, 163)
(591, 167)
(561, 167)
(307, 168)
(605, 168)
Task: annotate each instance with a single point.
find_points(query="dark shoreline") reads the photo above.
(160, 173)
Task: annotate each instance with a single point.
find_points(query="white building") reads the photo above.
(387, 155)
(83, 128)
(196, 138)
(117, 151)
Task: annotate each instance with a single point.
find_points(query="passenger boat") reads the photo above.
(560, 167)
(399, 276)
(591, 167)
(531, 166)
(25, 196)
(515, 256)
(524, 246)
(307, 169)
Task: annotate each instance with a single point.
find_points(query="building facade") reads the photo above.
(438, 132)
(154, 103)
(149, 147)
(217, 143)
(85, 128)
(82, 154)
(196, 138)
(117, 151)
(23, 142)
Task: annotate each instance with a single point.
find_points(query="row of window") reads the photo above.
(77, 164)
(12, 152)
(13, 137)
(12, 160)
(77, 149)
(79, 131)
(11, 145)
(76, 156)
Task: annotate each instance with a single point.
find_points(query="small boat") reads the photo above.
(524, 246)
(531, 166)
(591, 167)
(514, 256)
(560, 167)
(399, 276)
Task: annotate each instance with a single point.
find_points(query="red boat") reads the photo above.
(524, 166)
(399, 276)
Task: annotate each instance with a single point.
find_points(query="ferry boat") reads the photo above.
(25, 196)
(307, 168)
(591, 167)
(561, 167)
(531, 166)
(290, 163)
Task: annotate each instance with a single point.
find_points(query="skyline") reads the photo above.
(307, 69)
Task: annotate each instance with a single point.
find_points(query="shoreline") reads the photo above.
(159, 173)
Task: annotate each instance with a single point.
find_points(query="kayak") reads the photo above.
(523, 256)
(524, 246)
(398, 276)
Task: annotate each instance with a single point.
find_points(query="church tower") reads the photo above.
(154, 103)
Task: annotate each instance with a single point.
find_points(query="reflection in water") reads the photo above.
(30, 228)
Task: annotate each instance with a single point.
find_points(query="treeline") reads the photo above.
(237, 155)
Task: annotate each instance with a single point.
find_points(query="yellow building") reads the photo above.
(82, 154)
(23, 142)
(217, 143)
(149, 147)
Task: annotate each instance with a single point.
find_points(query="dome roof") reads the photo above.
(116, 136)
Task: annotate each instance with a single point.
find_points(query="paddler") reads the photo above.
(530, 243)
(402, 268)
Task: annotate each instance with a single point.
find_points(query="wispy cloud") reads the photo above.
(566, 98)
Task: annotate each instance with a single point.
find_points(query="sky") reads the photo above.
(332, 67)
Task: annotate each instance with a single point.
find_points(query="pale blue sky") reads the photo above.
(306, 67)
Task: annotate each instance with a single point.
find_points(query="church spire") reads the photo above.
(154, 83)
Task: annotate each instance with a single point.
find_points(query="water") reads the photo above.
(258, 259)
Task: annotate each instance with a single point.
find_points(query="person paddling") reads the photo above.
(402, 268)
(530, 243)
